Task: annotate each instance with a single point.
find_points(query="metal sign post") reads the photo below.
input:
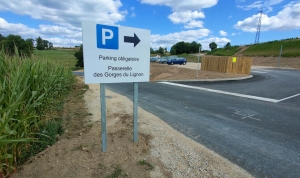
(279, 57)
(103, 115)
(135, 112)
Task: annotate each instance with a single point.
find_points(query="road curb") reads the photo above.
(208, 80)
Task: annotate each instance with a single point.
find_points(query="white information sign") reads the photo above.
(115, 54)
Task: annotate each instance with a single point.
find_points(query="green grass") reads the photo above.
(290, 48)
(116, 173)
(64, 56)
(225, 51)
(144, 162)
(47, 135)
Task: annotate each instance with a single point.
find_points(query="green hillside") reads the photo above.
(290, 48)
(229, 51)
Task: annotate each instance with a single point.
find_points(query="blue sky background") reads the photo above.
(170, 21)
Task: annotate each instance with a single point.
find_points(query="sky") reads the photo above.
(170, 21)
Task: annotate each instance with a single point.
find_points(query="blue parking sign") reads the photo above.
(107, 37)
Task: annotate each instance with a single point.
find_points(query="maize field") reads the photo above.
(28, 89)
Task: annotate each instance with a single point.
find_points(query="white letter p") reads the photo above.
(104, 37)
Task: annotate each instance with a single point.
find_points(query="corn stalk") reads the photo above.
(28, 88)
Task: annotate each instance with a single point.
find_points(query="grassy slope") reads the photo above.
(290, 48)
(66, 56)
(225, 51)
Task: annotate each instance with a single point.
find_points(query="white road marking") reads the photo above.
(263, 70)
(289, 97)
(230, 93)
(256, 71)
(246, 115)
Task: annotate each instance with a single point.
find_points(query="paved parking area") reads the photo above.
(267, 84)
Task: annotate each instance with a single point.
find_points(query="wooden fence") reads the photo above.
(225, 64)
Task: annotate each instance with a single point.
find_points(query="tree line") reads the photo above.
(24, 47)
(184, 47)
(160, 51)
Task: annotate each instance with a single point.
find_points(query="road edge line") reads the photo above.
(223, 92)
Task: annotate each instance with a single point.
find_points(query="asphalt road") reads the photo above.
(259, 136)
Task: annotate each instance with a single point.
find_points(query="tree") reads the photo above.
(30, 41)
(11, 41)
(187, 47)
(46, 44)
(195, 47)
(39, 44)
(227, 45)
(166, 50)
(79, 57)
(1, 37)
(151, 51)
(161, 51)
(50, 45)
(173, 51)
(180, 47)
(213, 46)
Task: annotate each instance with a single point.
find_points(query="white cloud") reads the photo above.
(194, 24)
(66, 15)
(59, 31)
(68, 12)
(223, 33)
(182, 5)
(233, 34)
(63, 42)
(184, 11)
(230, 17)
(15, 28)
(185, 16)
(219, 41)
(53, 29)
(58, 35)
(172, 38)
(286, 19)
(266, 5)
(62, 36)
(133, 14)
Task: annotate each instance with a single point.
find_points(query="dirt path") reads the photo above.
(241, 51)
